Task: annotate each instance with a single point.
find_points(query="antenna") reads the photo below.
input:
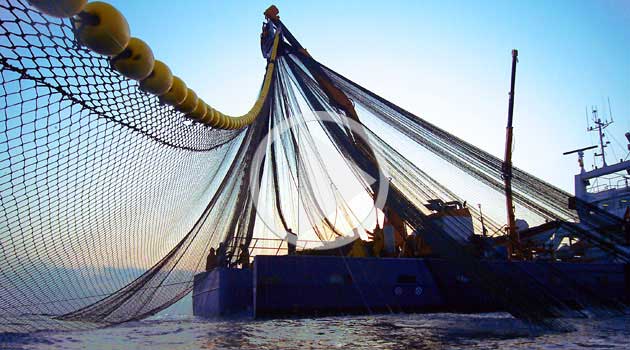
(580, 152)
(610, 111)
(599, 127)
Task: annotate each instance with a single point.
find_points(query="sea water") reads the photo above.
(392, 331)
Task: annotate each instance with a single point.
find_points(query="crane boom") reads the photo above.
(507, 167)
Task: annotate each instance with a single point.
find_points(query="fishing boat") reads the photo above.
(328, 281)
(578, 262)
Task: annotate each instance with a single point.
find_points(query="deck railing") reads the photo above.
(277, 246)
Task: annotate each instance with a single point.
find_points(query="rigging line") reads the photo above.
(440, 132)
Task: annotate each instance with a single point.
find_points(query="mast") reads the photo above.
(600, 126)
(507, 167)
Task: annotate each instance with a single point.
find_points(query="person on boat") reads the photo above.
(291, 239)
(389, 242)
(394, 232)
(221, 258)
(244, 257)
(377, 240)
(211, 260)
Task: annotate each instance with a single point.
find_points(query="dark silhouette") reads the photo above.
(211, 260)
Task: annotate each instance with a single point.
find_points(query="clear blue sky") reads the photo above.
(447, 61)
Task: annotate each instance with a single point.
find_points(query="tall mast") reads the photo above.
(507, 167)
(600, 126)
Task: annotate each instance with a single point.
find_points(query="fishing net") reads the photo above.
(99, 181)
(111, 200)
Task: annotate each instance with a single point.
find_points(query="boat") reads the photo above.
(472, 273)
(329, 282)
(315, 282)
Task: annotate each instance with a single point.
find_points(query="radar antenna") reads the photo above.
(599, 127)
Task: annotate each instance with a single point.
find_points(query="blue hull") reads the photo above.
(222, 292)
(305, 285)
(322, 285)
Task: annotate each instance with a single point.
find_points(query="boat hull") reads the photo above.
(222, 292)
(326, 285)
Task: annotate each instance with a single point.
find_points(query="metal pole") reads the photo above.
(507, 167)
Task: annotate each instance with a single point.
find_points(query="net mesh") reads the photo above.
(99, 180)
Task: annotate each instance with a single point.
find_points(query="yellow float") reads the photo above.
(102, 29)
(190, 102)
(211, 117)
(176, 94)
(136, 61)
(200, 111)
(59, 8)
(159, 81)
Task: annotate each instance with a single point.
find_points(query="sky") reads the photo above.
(446, 61)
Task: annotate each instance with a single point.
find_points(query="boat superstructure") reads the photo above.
(602, 194)
(606, 186)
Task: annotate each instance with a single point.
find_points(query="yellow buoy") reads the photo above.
(59, 8)
(228, 122)
(102, 28)
(211, 117)
(190, 103)
(231, 123)
(222, 124)
(159, 81)
(176, 94)
(208, 117)
(217, 119)
(200, 111)
(136, 61)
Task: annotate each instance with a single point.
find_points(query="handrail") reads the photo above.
(300, 245)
